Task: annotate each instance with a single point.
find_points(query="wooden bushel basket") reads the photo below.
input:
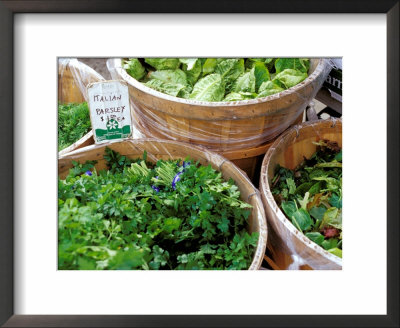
(69, 92)
(249, 160)
(220, 126)
(289, 247)
(164, 149)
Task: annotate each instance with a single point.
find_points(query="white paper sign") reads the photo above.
(110, 112)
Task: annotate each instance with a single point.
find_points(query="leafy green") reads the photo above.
(289, 78)
(301, 219)
(245, 83)
(236, 96)
(230, 70)
(311, 196)
(73, 123)
(299, 64)
(239, 78)
(134, 68)
(209, 66)
(268, 88)
(163, 63)
(209, 88)
(168, 88)
(192, 68)
(137, 215)
(176, 76)
(316, 237)
(261, 74)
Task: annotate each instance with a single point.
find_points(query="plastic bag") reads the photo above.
(73, 77)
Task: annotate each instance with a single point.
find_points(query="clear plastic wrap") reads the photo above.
(220, 126)
(288, 151)
(73, 78)
(164, 149)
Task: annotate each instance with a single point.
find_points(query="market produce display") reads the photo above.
(311, 196)
(218, 79)
(137, 215)
(73, 123)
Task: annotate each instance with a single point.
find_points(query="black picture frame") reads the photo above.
(8, 200)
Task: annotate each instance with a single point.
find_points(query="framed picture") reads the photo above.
(35, 292)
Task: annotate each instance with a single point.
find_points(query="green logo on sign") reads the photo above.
(112, 125)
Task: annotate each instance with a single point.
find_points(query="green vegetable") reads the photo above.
(168, 88)
(261, 74)
(176, 76)
(219, 79)
(135, 68)
(289, 78)
(268, 88)
(73, 123)
(136, 215)
(311, 196)
(245, 82)
(209, 88)
(230, 70)
(299, 64)
(192, 68)
(235, 96)
(163, 63)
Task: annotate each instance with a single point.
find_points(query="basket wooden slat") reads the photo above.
(164, 149)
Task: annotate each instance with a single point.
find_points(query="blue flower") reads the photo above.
(176, 178)
(155, 188)
(89, 173)
(185, 164)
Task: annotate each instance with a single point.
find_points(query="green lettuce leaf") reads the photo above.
(317, 212)
(268, 88)
(245, 82)
(163, 63)
(192, 68)
(332, 217)
(134, 68)
(209, 66)
(230, 70)
(316, 237)
(185, 92)
(301, 219)
(299, 64)
(209, 88)
(291, 185)
(237, 96)
(330, 243)
(261, 74)
(168, 88)
(289, 208)
(289, 78)
(176, 76)
(335, 201)
(250, 62)
(336, 251)
(189, 62)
